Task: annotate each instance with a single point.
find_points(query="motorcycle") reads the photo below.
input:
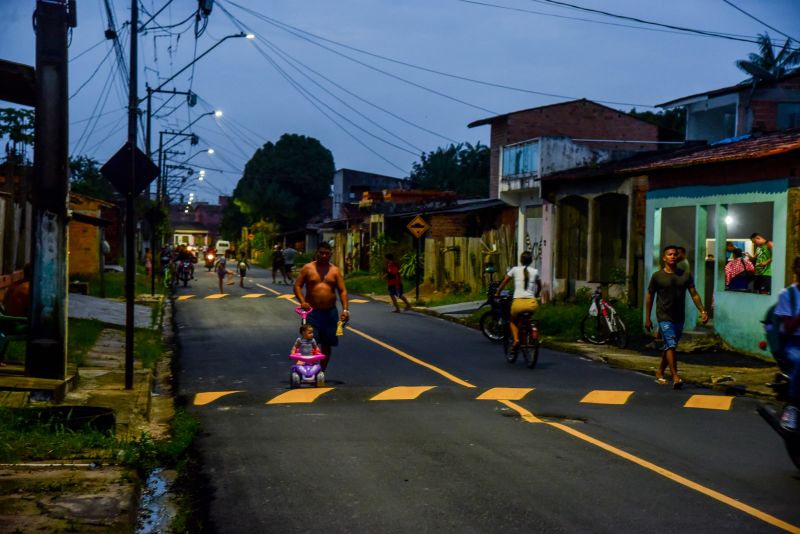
(493, 322)
(771, 415)
(211, 258)
(185, 271)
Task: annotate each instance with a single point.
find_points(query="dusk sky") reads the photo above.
(533, 45)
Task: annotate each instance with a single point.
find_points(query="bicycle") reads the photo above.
(493, 321)
(528, 341)
(602, 324)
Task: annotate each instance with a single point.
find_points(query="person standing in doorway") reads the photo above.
(288, 262)
(395, 283)
(683, 261)
(669, 285)
(322, 281)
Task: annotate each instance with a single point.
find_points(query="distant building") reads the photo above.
(349, 186)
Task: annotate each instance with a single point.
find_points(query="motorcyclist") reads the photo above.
(184, 254)
(791, 329)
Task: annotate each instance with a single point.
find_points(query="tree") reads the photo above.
(285, 182)
(671, 122)
(17, 124)
(463, 168)
(776, 65)
(232, 222)
(85, 179)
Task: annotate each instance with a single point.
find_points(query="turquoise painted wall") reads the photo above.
(737, 315)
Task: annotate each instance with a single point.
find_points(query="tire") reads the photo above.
(294, 380)
(492, 326)
(320, 382)
(594, 329)
(620, 337)
(508, 341)
(531, 354)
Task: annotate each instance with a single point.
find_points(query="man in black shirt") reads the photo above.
(670, 285)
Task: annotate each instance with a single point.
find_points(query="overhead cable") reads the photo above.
(773, 28)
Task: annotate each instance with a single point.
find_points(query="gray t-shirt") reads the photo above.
(288, 255)
(670, 290)
(305, 346)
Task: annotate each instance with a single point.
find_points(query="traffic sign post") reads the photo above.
(418, 226)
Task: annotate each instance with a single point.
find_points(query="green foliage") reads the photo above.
(233, 220)
(286, 181)
(376, 252)
(409, 265)
(145, 453)
(779, 65)
(463, 168)
(618, 275)
(672, 122)
(583, 296)
(17, 125)
(364, 283)
(85, 178)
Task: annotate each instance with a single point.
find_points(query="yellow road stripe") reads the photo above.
(601, 396)
(733, 503)
(185, 297)
(500, 394)
(709, 402)
(409, 357)
(299, 396)
(287, 296)
(201, 399)
(269, 289)
(217, 296)
(358, 301)
(401, 393)
(253, 295)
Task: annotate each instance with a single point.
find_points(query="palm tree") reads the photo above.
(767, 65)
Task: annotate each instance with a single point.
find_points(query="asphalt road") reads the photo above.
(570, 446)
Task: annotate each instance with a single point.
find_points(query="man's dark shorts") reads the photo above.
(396, 291)
(324, 323)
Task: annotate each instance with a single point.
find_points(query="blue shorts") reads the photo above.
(670, 333)
(324, 323)
(396, 291)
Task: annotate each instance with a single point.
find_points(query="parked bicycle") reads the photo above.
(528, 341)
(602, 324)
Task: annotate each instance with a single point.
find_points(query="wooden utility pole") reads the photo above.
(46, 354)
(130, 215)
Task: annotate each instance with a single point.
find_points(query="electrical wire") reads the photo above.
(87, 50)
(91, 76)
(367, 65)
(739, 9)
(95, 114)
(298, 32)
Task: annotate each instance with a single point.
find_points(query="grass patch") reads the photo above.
(443, 299)
(147, 344)
(82, 334)
(114, 283)
(364, 283)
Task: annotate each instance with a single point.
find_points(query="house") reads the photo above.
(747, 107)
(15, 221)
(92, 219)
(714, 198)
(530, 144)
(198, 225)
(349, 186)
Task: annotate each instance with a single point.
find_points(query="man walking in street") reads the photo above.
(322, 280)
(288, 262)
(670, 285)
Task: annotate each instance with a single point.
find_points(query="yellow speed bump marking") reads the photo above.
(600, 396)
(185, 297)
(286, 297)
(500, 394)
(401, 393)
(709, 402)
(409, 357)
(297, 396)
(254, 295)
(207, 397)
(217, 296)
(678, 479)
(358, 301)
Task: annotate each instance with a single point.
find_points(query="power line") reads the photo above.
(88, 50)
(294, 29)
(739, 9)
(102, 62)
(367, 65)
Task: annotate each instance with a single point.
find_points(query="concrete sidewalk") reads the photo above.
(109, 311)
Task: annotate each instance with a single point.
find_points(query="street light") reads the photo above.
(208, 151)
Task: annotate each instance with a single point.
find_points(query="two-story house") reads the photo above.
(529, 144)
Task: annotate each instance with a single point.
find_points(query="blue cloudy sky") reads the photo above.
(373, 114)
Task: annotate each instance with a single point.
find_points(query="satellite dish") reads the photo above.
(758, 73)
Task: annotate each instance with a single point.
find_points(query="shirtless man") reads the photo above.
(322, 280)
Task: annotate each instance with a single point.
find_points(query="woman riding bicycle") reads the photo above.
(527, 287)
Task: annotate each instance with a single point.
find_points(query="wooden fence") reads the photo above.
(459, 262)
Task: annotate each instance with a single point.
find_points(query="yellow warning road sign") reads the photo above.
(418, 226)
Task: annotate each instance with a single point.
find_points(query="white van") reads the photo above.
(222, 247)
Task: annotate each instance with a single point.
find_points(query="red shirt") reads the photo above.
(393, 274)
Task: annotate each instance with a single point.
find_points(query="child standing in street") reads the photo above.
(395, 283)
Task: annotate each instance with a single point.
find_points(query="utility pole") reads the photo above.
(46, 354)
(130, 216)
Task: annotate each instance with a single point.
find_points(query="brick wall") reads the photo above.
(448, 225)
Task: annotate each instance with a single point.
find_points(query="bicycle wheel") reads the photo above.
(492, 326)
(594, 329)
(620, 336)
(508, 342)
(531, 354)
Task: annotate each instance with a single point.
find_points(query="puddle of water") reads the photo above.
(156, 509)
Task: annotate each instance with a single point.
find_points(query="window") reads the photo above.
(521, 160)
(748, 248)
(788, 115)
